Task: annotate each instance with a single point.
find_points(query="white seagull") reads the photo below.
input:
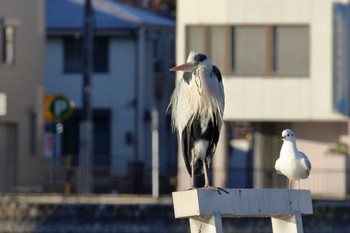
(197, 105)
(292, 163)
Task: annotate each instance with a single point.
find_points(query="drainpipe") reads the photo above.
(140, 93)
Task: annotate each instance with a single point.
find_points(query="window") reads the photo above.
(8, 32)
(102, 139)
(270, 50)
(217, 36)
(197, 39)
(205, 39)
(73, 58)
(291, 50)
(3, 104)
(101, 56)
(253, 50)
(249, 50)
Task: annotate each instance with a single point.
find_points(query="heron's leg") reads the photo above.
(192, 168)
(205, 174)
(206, 178)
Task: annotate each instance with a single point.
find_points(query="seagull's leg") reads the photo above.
(289, 183)
(192, 169)
(299, 184)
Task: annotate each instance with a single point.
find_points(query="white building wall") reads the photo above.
(304, 102)
(113, 90)
(327, 176)
(56, 81)
(120, 98)
(272, 98)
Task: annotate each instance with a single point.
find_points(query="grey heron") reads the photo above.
(197, 104)
(292, 163)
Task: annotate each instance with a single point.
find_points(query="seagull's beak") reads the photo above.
(187, 67)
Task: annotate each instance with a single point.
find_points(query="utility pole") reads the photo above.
(86, 126)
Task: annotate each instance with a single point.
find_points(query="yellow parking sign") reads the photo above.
(57, 108)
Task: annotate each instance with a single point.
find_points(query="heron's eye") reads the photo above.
(200, 57)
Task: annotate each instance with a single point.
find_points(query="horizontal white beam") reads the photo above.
(242, 202)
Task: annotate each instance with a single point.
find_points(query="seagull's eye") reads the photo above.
(288, 135)
(292, 135)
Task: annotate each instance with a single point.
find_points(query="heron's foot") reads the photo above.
(218, 189)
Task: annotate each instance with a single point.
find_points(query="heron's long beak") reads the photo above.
(187, 67)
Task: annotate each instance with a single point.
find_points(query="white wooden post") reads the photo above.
(205, 208)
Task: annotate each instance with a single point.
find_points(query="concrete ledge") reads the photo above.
(88, 199)
(241, 203)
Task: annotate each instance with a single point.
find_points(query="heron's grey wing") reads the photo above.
(186, 142)
(222, 104)
(218, 93)
(182, 108)
(307, 162)
(182, 115)
(215, 134)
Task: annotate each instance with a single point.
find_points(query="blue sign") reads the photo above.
(341, 58)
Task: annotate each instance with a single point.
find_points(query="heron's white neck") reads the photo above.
(203, 100)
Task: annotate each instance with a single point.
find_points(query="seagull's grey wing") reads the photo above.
(307, 162)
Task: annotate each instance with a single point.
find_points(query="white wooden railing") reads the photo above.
(205, 208)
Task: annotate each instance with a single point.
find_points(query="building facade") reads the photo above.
(281, 70)
(22, 38)
(131, 84)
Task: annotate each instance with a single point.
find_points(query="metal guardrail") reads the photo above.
(323, 183)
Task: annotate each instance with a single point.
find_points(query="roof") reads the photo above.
(109, 15)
